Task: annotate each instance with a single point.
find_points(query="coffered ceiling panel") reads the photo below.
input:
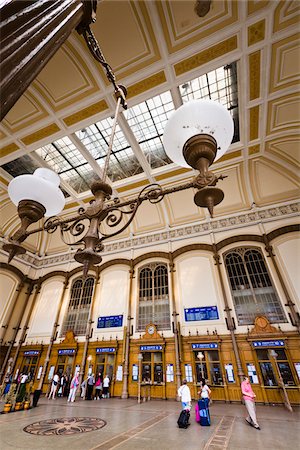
(271, 182)
(181, 26)
(284, 114)
(285, 63)
(148, 218)
(75, 82)
(26, 111)
(287, 13)
(287, 149)
(181, 207)
(127, 22)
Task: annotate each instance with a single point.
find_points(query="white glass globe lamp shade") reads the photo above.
(42, 187)
(193, 118)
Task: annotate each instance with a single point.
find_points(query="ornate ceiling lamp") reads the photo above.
(197, 134)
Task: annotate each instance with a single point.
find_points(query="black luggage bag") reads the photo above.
(183, 420)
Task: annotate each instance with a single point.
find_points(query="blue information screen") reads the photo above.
(110, 321)
(201, 313)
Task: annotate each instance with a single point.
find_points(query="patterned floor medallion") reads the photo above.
(65, 426)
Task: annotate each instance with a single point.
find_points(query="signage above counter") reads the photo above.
(205, 346)
(259, 344)
(149, 348)
(67, 351)
(31, 353)
(105, 350)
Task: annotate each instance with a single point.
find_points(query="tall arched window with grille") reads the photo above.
(153, 305)
(251, 286)
(79, 306)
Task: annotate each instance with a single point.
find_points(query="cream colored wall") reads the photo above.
(44, 313)
(8, 286)
(197, 286)
(112, 299)
(287, 250)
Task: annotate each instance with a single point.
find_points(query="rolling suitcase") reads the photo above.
(183, 420)
(197, 413)
(204, 413)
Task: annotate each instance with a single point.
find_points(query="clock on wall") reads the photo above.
(151, 329)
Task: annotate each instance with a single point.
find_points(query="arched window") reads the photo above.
(154, 297)
(79, 306)
(251, 287)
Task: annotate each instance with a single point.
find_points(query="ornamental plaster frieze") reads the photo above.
(255, 216)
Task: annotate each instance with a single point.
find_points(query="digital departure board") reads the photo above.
(110, 321)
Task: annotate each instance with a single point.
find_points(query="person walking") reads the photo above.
(90, 386)
(73, 388)
(54, 385)
(98, 387)
(185, 395)
(106, 382)
(83, 389)
(249, 396)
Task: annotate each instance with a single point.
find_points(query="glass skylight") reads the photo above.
(20, 166)
(219, 85)
(147, 120)
(123, 163)
(64, 158)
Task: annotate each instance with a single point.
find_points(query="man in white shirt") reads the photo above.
(106, 382)
(185, 394)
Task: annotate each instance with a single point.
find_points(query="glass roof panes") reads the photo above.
(122, 163)
(64, 158)
(219, 85)
(20, 166)
(147, 120)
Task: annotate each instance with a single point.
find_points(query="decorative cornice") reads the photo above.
(257, 215)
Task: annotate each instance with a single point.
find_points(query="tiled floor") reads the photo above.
(151, 426)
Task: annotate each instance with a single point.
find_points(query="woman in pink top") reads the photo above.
(249, 397)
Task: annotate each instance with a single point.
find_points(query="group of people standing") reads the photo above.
(202, 414)
(95, 387)
(91, 387)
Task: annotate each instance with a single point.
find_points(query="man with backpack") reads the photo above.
(184, 394)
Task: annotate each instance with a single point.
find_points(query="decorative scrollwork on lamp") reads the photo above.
(197, 134)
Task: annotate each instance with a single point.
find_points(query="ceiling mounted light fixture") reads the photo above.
(197, 134)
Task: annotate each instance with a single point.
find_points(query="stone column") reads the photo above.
(127, 337)
(14, 303)
(16, 329)
(175, 325)
(227, 309)
(25, 327)
(88, 331)
(53, 335)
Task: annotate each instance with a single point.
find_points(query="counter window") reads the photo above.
(105, 365)
(152, 367)
(209, 367)
(268, 367)
(29, 366)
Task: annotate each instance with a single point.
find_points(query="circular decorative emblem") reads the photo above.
(65, 426)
